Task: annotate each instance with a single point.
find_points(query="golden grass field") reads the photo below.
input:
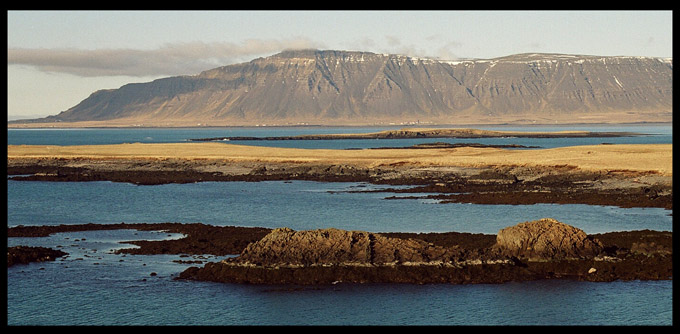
(634, 157)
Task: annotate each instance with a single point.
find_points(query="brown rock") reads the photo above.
(546, 239)
(284, 246)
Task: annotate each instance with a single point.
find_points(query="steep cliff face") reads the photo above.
(341, 87)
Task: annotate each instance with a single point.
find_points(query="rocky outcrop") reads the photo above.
(364, 257)
(541, 240)
(286, 247)
(26, 254)
(527, 251)
(546, 239)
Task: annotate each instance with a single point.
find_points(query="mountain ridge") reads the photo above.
(333, 87)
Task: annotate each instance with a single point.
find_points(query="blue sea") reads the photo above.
(95, 286)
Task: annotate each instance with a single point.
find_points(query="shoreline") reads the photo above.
(604, 157)
(621, 175)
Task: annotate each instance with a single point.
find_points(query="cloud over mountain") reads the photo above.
(170, 59)
(359, 88)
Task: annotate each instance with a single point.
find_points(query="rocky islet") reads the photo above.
(541, 249)
(25, 254)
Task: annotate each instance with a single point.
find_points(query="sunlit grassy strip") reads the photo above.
(635, 157)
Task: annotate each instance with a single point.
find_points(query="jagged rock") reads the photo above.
(546, 239)
(284, 246)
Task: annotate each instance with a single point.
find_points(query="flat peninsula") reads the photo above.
(622, 175)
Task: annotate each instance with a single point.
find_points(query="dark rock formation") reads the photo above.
(533, 250)
(355, 256)
(200, 238)
(26, 254)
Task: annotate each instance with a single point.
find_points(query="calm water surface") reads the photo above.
(653, 134)
(299, 205)
(94, 286)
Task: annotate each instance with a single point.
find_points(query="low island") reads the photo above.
(409, 133)
(541, 249)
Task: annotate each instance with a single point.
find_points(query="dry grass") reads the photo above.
(655, 158)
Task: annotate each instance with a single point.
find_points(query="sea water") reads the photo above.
(649, 134)
(94, 285)
(299, 205)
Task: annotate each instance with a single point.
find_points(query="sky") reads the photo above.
(56, 59)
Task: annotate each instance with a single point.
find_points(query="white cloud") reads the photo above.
(170, 59)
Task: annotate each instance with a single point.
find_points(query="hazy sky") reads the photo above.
(58, 58)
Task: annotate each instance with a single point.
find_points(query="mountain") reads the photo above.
(362, 88)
